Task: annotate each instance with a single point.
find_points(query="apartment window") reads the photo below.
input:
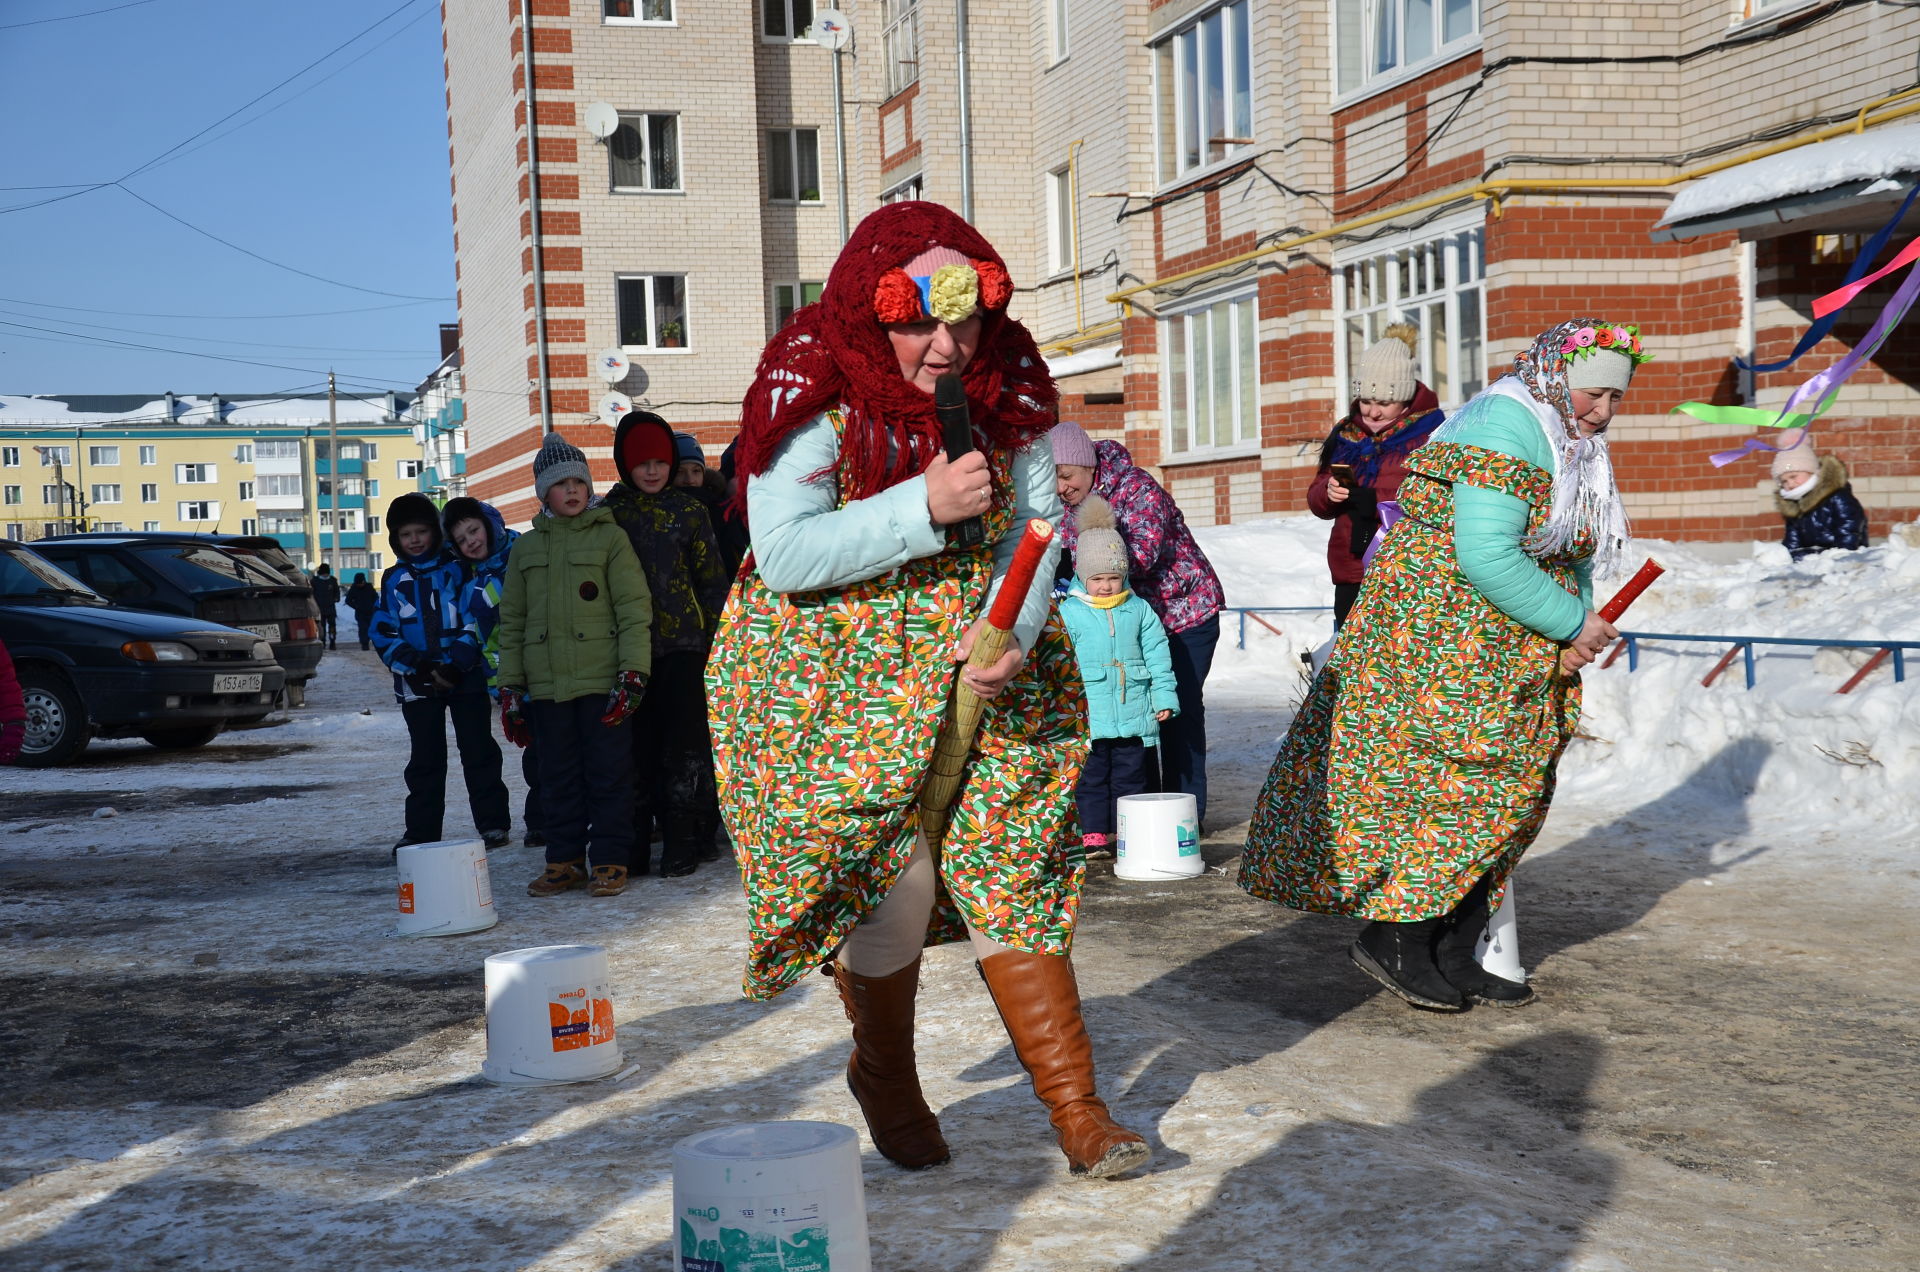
(56, 495)
(785, 19)
(1380, 39)
(901, 39)
(243, 453)
(652, 310)
(373, 527)
(793, 165)
(10, 456)
(788, 297)
(15, 530)
(51, 455)
(277, 485)
(373, 488)
(1059, 221)
(193, 474)
(1057, 29)
(288, 449)
(349, 520)
(1213, 384)
(635, 12)
(407, 469)
(11, 495)
(352, 487)
(644, 154)
(200, 510)
(283, 524)
(149, 454)
(105, 494)
(103, 456)
(1203, 86)
(351, 450)
(149, 492)
(1435, 284)
(151, 527)
(249, 525)
(110, 527)
(914, 187)
(246, 492)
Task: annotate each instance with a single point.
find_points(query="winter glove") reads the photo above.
(628, 689)
(513, 722)
(13, 735)
(421, 682)
(444, 678)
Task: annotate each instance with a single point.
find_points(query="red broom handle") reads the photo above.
(1631, 592)
(1019, 581)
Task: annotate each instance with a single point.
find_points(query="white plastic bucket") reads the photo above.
(1159, 837)
(549, 1016)
(1498, 948)
(444, 888)
(781, 1196)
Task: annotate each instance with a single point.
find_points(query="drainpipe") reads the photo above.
(1073, 218)
(533, 218)
(966, 118)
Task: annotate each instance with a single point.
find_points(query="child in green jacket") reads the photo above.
(574, 660)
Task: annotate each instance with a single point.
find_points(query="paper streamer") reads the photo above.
(1818, 331)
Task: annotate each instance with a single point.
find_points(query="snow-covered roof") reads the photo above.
(117, 410)
(1084, 361)
(1878, 154)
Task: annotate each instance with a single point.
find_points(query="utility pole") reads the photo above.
(333, 462)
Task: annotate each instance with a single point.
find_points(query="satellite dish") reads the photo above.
(611, 365)
(831, 29)
(614, 407)
(601, 120)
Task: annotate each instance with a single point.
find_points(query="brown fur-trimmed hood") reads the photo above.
(1831, 477)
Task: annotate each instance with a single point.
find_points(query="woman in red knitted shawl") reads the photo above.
(836, 656)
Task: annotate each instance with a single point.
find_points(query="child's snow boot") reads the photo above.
(560, 876)
(1400, 956)
(881, 1072)
(608, 881)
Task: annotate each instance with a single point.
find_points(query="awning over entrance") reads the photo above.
(1841, 185)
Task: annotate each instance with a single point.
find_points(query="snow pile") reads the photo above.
(1883, 152)
(1799, 754)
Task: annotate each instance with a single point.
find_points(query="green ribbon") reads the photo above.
(1743, 416)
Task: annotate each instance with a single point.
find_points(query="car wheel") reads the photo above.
(182, 739)
(57, 726)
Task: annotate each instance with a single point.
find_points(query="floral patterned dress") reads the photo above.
(825, 709)
(1424, 755)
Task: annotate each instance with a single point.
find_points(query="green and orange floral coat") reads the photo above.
(1425, 752)
(825, 710)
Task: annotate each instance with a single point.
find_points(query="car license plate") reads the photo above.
(237, 684)
(265, 631)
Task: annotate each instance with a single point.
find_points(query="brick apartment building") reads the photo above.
(1209, 206)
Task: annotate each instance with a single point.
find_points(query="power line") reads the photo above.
(74, 336)
(257, 344)
(131, 4)
(132, 313)
(320, 278)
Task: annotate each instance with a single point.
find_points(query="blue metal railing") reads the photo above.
(1743, 647)
(1240, 637)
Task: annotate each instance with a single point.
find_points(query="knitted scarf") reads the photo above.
(1367, 452)
(835, 353)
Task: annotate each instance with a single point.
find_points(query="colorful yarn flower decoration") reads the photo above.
(1582, 341)
(953, 293)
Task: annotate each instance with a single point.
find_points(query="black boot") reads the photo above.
(1453, 951)
(1400, 956)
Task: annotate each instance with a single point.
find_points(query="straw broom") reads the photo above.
(965, 707)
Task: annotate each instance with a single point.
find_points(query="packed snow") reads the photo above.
(1883, 153)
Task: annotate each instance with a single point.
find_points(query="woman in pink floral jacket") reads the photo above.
(1170, 573)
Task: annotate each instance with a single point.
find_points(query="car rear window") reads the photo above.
(198, 569)
(24, 574)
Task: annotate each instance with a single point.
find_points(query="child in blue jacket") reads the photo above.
(425, 638)
(1122, 651)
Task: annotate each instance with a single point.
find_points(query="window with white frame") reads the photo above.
(1437, 284)
(636, 12)
(249, 525)
(785, 19)
(107, 493)
(281, 523)
(12, 495)
(793, 165)
(1057, 29)
(110, 527)
(373, 487)
(150, 526)
(243, 453)
(277, 485)
(349, 519)
(103, 456)
(246, 492)
(901, 39)
(788, 297)
(373, 527)
(149, 492)
(1203, 91)
(651, 310)
(9, 456)
(16, 530)
(407, 469)
(914, 187)
(1382, 39)
(51, 455)
(1212, 376)
(193, 474)
(283, 448)
(643, 154)
(1059, 221)
(57, 495)
(149, 455)
(199, 510)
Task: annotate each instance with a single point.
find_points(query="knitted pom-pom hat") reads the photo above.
(558, 460)
(1385, 372)
(1099, 549)
(1798, 458)
(1071, 445)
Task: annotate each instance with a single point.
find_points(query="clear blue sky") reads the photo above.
(347, 179)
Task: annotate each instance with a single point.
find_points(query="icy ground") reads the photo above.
(215, 1056)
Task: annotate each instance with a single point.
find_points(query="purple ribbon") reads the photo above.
(1823, 383)
(1389, 510)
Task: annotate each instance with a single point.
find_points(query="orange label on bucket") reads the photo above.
(406, 898)
(579, 1016)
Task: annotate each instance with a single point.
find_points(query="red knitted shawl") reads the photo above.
(835, 353)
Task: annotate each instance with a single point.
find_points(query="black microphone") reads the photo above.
(956, 427)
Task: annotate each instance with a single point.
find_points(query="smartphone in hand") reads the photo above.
(1342, 473)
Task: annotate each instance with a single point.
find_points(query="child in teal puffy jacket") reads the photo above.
(1122, 651)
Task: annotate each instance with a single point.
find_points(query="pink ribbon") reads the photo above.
(1841, 296)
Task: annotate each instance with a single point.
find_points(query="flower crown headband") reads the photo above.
(1582, 341)
(953, 292)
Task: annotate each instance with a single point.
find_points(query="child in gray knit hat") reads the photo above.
(1128, 672)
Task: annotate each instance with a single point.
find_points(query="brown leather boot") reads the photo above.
(881, 1072)
(1039, 1003)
